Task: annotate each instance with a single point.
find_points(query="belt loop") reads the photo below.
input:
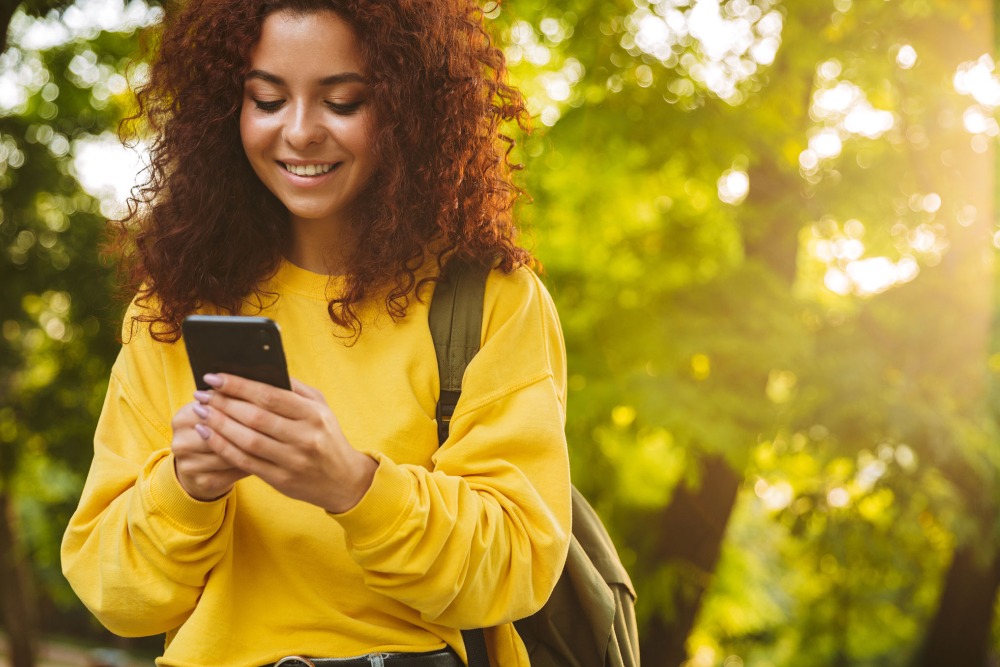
(376, 660)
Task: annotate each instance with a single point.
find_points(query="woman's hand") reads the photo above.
(203, 474)
(290, 439)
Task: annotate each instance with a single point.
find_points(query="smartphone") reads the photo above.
(246, 346)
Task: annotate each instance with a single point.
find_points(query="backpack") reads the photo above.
(589, 620)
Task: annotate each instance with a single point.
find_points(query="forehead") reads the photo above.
(306, 42)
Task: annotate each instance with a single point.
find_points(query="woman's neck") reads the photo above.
(319, 247)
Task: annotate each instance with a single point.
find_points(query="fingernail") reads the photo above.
(203, 431)
(213, 380)
(201, 411)
(203, 396)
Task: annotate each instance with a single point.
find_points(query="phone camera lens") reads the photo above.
(265, 339)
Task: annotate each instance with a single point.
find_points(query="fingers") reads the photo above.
(206, 485)
(203, 451)
(289, 439)
(185, 417)
(201, 472)
(214, 407)
(287, 404)
(302, 389)
(277, 413)
(244, 446)
(205, 476)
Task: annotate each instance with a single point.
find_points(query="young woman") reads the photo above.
(318, 162)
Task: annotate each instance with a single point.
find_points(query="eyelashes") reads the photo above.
(270, 106)
(345, 109)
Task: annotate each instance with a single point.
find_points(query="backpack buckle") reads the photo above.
(445, 410)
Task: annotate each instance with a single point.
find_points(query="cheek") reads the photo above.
(245, 131)
(363, 139)
(252, 133)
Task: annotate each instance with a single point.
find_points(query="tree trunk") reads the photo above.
(693, 526)
(691, 530)
(960, 632)
(17, 604)
(7, 9)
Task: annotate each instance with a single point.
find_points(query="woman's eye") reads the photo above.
(268, 105)
(344, 109)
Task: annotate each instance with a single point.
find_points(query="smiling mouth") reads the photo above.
(308, 169)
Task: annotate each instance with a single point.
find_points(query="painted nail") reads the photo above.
(203, 431)
(201, 411)
(213, 380)
(203, 396)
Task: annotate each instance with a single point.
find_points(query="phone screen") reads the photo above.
(246, 346)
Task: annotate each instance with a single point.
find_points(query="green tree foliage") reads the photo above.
(825, 337)
(57, 317)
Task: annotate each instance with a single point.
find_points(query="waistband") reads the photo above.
(442, 658)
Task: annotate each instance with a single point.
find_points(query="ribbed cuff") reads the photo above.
(383, 507)
(168, 498)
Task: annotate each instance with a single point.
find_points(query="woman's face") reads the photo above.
(305, 116)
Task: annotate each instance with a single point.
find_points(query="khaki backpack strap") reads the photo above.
(456, 323)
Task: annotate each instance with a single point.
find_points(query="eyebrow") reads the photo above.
(346, 77)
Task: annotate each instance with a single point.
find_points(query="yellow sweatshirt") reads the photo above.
(471, 534)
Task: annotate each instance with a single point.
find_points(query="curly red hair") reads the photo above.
(203, 230)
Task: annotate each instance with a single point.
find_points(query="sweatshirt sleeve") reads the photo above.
(138, 549)
(481, 539)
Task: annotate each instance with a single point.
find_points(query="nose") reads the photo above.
(304, 127)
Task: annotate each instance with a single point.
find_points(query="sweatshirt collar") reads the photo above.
(306, 283)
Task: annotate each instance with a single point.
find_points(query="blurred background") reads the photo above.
(769, 228)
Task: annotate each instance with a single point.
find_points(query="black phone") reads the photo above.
(246, 346)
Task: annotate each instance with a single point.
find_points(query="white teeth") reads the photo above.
(308, 169)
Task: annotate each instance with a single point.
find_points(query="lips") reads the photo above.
(316, 169)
